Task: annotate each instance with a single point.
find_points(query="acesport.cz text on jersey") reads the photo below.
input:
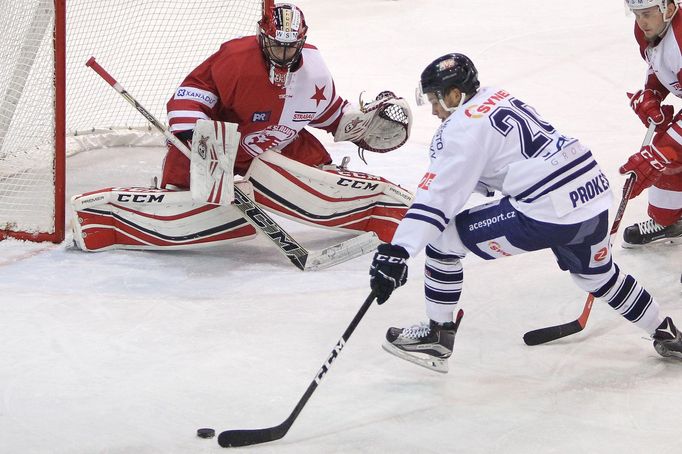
(490, 221)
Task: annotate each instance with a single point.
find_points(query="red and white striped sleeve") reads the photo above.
(329, 118)
(195, 99)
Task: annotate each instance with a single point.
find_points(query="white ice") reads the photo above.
(131, 352)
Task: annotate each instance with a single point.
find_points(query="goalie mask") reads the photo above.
(445, 73)
(281, 36)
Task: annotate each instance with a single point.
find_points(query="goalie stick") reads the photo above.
(298, 255)
(550, 333)
(246, 437)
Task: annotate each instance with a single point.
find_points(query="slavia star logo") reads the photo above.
(319, 95)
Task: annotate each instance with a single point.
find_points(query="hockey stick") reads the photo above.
(254, 214)
(245, 437)
(550, 333)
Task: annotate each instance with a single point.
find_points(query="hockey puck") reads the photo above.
(205, 433)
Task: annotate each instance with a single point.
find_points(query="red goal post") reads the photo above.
(52, 106)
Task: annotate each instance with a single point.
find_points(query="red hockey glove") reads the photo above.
(647, 165)
(647, 104)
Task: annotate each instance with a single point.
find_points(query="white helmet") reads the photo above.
(634, 5)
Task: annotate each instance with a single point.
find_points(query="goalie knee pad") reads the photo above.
(143, 218)
(331, 198)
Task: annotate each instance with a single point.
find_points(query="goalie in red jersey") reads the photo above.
(272, 85)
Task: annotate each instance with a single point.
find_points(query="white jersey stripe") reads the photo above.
(182, 127)
(187, 114)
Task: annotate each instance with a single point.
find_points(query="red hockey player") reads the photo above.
(272, 85)
(658, 31)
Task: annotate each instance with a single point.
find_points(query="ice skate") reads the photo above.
(427, 344)
(668, 340)
(650, 231)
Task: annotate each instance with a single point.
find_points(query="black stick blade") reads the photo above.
(544, 335)
(246, 437)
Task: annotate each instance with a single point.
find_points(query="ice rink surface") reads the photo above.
(131, 352)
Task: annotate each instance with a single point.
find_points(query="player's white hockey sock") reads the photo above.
(631, 300)
(443, 277)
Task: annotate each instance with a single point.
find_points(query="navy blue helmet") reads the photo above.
(448, 72)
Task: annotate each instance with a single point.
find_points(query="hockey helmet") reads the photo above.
(634, 5)
(445, 73)
(281, 35)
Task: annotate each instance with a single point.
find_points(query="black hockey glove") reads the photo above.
(388, 270)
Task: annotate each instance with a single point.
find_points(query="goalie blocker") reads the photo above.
(149, 218)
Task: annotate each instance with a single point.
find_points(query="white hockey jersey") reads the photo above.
(500, 142)
(664, 59)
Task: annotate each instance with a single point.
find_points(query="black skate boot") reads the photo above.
(668, 340)
(428, 345)
(648, 231)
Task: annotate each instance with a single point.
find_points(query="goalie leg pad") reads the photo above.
(157, 219)
(331, 198)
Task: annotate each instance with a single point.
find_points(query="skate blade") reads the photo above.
(669, 241)
(431, 363)
(667, 353)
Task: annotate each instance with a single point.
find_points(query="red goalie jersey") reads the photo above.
(233, 85)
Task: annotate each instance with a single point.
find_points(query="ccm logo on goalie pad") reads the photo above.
(355, 184)
(140, 198)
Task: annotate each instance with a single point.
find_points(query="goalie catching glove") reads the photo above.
(380, 126)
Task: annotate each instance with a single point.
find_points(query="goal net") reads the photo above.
(52, 105)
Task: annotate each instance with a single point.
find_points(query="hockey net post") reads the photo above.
(551, 333)
(32, 191)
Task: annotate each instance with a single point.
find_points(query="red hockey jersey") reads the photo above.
(233, 85)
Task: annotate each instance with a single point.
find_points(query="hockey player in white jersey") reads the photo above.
(555, 196)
